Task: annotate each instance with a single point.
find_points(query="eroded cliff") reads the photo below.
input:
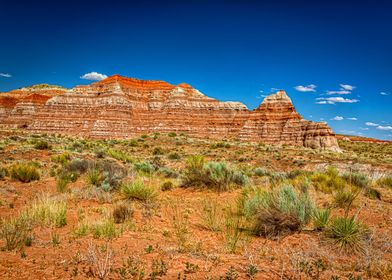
(120, 107)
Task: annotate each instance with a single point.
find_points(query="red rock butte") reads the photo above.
(120, 107)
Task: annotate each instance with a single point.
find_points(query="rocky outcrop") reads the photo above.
(120, 107)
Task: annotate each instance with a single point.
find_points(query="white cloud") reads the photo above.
(352, 119)
(384, 93)
(364, 128)
(371, 124)
(347, 87)
(342, 92)
(380, 127)
(5, 75)
(308, 88)
(93, 76)
(344, 89)
(333, 100)
(337, 118)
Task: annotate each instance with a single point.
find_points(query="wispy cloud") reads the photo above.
(364, 128)
(371, 124)
(384, 93)
(344, 89)
(5, 75)
(347, 87)
(93, 76)
(388, 128)
(308, 88)
(352, 119)
(342, 92)
(334, 100)
(337, 118)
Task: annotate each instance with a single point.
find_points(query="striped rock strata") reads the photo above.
(120, 107)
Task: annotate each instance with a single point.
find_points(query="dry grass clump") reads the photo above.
(122, 212)
(137, 190)
(276, 212)
(24, 172)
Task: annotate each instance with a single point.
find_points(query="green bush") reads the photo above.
(62, 181)
(328, 181)
(15, 232)
(105, 229)
(24, 172)
(372, 193)
(385, 182)
(63, 158)
(119, 155)
(144, 167)
(158, 151)
(321, 218)
(138, 191)
(172, 134)
(357, 179)
(215, 175)
(345, 198)
(3, 172)
(260, 172)
(167, 186)
(347, 234)
(174, 156)
(94, 177)
(42, 145)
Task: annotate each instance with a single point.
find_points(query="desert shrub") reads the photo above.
(79, 166)
(122, 212)
(24, 172)
(321, 218)
(234, 225)
(105, 228)
(119, 155)
(62, 181)
(144, 167)
(347, 234)
(372, 193)
(81, 229)
(158, 151)
(172, 134)
(357, 179)
(215, 175)
(328, 181)
(259, 171)
(167, 186)
(345, 198)
(63, 158)
(174, 156)
(138, 191)
(48, 211)
(277, 212)
(385, 182)
(94, 177)
(3, 172)
(15, 232)
(112, 174)
(42, 145)
(132, 143)
(168, 172)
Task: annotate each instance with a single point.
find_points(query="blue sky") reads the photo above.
(334, 58)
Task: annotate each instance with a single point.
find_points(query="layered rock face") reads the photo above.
(120, 107)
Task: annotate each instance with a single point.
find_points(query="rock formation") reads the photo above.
(120, 107)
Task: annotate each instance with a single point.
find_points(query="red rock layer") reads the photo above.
(119, 107)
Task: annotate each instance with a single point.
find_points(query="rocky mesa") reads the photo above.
(121, 107)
